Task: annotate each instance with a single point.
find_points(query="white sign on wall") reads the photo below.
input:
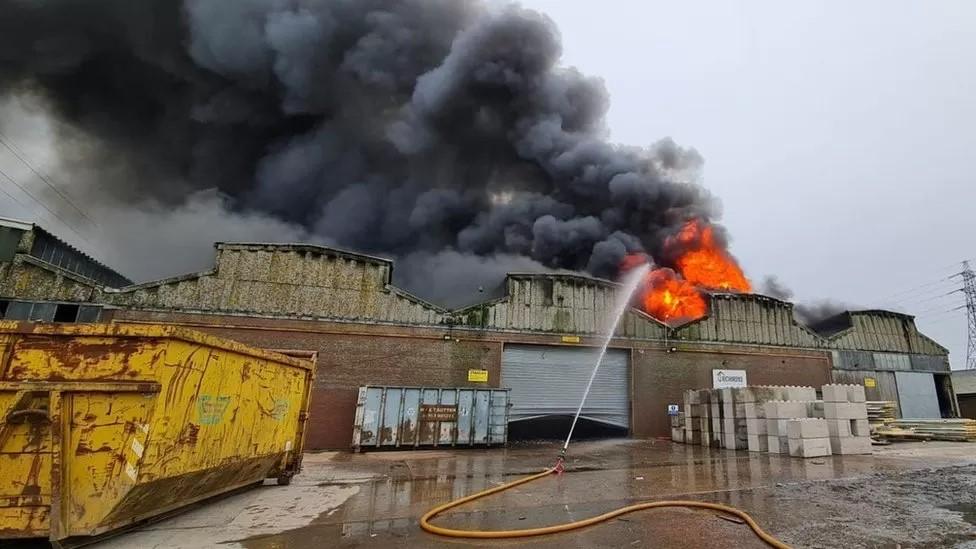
(722, 379)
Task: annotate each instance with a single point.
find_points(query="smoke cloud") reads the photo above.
(809, 313)
(445, 133)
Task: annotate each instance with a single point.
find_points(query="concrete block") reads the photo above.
(809, 447)
(716, 440)
(834, 393)
(845, 410)
(755, 410)
(695, 410)
(855, 393)
(777, 445)
(776, 427)
(815, 409)
(693, 437)
(763, 393)
(732, 441)
(807, 428)
(755, 426)
(860, 427)
(677, 435)
(782, 409)
(846, 446)
(704, 396)
(794, 392)
(704, 424)
(839, 428)
(692, 397)
(757, 443)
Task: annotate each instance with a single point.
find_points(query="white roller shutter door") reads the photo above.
(548, 381)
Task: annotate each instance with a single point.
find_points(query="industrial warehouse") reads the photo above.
(537, 337)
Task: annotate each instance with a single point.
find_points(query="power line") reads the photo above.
(920, 286)
(917, 302)
(46, 180)
(43, 205)
(14, 198)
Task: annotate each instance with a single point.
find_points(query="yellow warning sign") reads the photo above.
(478, 375)
(571, 339)
(870, 382)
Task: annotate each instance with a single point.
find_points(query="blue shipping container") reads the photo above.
(409, 417)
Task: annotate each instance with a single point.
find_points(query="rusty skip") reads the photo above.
(105, 425)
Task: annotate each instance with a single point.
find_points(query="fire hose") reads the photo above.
(526, 532)
(629, 287)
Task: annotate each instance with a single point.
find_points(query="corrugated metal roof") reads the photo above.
(749, 318)
(31, 226)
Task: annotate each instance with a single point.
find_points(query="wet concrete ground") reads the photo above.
(906, 495)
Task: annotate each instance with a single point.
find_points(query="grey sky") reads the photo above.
(838, 135)
(834, 133)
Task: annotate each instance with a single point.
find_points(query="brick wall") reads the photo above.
(350, 356)
(661, 378)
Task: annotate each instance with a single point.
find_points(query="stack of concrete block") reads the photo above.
(716, 412)
(846, 414)
(678, 428)
(692, 417)
(808, 437)
(705, 398)
(755, 399)
(778, 414)
(734, 434)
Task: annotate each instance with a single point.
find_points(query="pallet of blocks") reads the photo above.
(952, 430)
(846, 414)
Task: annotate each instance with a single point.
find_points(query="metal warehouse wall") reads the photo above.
(29, 278)
(660, 378)
(558, 304)
(293, 280)
(750, 319)
(884, 331)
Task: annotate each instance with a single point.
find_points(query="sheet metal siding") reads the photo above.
(573, 307)
(736, 319)
(917, 396)
(549, 380)
(390, 417)
(867, 360)
(885, 387)
(877, 332)
(286, 282)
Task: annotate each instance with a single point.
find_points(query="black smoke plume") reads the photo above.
(439, 129)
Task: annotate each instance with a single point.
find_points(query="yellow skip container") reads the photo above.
(106, 425)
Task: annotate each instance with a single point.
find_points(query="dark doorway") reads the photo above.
(557, 427)
(943, 391)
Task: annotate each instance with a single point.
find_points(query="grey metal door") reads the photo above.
(548, 380)
(916, 394)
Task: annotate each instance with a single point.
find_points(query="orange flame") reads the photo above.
(701, 264)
